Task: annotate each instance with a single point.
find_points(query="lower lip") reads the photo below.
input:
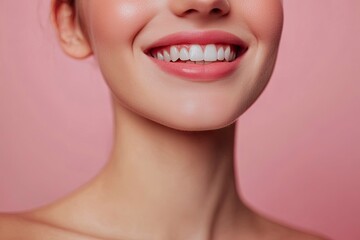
(199, 72)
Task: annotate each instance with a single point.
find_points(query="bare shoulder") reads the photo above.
(11, 227)
(16, 227)
(299, 235)
(277, 231)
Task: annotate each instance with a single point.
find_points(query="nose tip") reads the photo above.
(203, 8)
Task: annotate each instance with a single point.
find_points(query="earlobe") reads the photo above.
(70, 34)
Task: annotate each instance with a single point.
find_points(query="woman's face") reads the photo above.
(126, 37)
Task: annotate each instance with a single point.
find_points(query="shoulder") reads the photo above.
(16, 227)
(278, 231)
(298, 235)
(10, 226)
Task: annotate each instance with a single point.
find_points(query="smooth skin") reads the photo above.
(171, 172)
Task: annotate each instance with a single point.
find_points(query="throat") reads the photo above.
(182, 183)
(158, 184)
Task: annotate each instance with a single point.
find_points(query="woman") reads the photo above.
(180, 73)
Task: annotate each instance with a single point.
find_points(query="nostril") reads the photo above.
(190, 11)
(215, 11)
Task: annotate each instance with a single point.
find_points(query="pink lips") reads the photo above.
(199, 72)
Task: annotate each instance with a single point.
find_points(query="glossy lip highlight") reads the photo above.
(199, 72)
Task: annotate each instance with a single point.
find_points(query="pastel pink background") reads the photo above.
(298, 146)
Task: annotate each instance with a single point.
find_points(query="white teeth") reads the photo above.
(184, 54)
(167, 56)
(227, 54)
(210, 53)
(160, 56)
(232, 56)
(196, 53)
(221, 54)
(174, 54)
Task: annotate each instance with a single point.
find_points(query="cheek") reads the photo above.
(116, 22)
(264, 17)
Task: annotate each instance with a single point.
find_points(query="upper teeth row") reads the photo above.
(196, 53)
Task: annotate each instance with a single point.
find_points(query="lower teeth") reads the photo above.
(199, 62)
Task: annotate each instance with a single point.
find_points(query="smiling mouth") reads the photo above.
(199, 56)
(197, 53)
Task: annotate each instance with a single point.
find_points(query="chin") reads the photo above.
(197, 127)
(198, 122)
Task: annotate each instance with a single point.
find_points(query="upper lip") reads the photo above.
(198, 37)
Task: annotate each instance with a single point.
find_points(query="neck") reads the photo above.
(178, 178)
(162, 183)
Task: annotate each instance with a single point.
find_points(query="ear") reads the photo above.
(71, 37)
